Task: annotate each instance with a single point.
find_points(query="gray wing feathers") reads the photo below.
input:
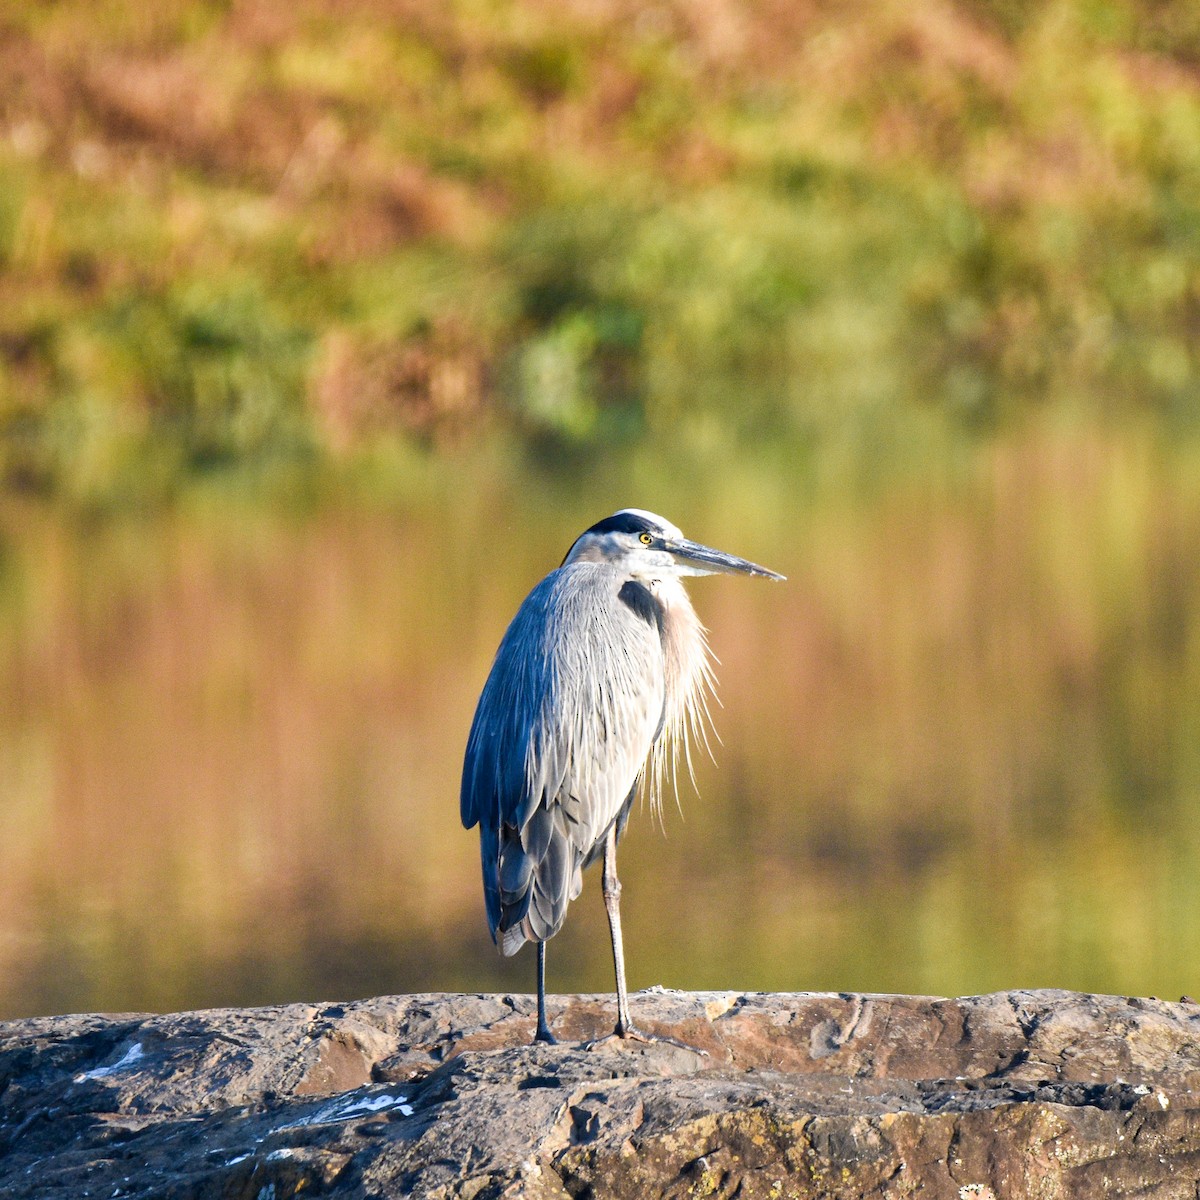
(560, 736)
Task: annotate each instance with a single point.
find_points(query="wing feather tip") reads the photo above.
(511, 940)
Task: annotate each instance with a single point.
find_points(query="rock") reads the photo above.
(1020, 1094)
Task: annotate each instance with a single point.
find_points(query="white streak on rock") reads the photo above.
(131, 1056)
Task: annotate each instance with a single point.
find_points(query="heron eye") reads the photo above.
(645, 539)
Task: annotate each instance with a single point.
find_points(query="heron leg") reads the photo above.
(543, 1029)
(612, 903)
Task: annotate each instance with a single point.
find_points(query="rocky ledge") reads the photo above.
(1019, 1094)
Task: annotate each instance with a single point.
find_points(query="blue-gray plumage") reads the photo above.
(603, 672)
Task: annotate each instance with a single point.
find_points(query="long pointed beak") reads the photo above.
(695, 559)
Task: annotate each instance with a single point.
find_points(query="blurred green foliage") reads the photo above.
(262, 236)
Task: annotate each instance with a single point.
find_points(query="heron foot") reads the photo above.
(544, 1035)
(630, 1033)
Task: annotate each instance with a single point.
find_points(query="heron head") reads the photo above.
(650, 547)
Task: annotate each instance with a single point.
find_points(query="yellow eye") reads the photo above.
(645, 539)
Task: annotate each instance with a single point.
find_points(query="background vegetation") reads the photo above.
(325, 326)
(251, 237)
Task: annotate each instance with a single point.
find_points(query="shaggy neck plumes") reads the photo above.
(689, 683)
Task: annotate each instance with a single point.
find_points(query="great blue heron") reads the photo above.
(603, 673)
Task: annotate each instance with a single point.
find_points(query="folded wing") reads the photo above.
(569, 713)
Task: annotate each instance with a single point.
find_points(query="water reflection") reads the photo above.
(959, 747)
